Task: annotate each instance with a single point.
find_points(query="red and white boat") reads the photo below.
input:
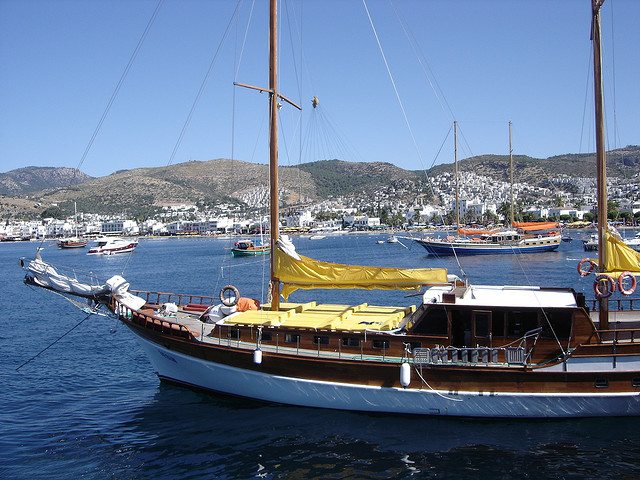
(112, 245)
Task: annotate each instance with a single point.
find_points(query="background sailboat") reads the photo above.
(515, 239)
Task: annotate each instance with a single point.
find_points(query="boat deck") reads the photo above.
(356, 318)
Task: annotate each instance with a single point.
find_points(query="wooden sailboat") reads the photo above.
(515, 239)
(73, 242)
(477, 351)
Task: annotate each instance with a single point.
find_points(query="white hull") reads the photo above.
(215, 377)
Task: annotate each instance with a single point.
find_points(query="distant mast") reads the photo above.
(512, 217)
(600, 152)
(455, 165)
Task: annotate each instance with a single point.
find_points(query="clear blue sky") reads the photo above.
(495, 61)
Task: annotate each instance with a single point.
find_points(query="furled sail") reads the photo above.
(477, 231)
(535, 226)
(299, 272)
(620, 257)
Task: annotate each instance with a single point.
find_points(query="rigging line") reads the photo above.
(119, 84)
(395, 89)
(586, 95)
(55, 341)
(238, 61)
(295, 64)
(518, 256)
(203, 85)
(464, 138)
(420, 56)
(616, 140)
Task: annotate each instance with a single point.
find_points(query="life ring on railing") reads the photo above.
(229, 295)
(604, 285)
(632, 288)
(592, 266)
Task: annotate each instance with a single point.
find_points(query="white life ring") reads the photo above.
(604, 285)
(621, 279)
(587, 272)
(229, 295)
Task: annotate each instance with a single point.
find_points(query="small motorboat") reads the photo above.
(112, 245)
(246, 248)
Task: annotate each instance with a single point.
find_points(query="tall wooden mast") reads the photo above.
(274, 97)
(512, 217)
(600, 151)
(274, 227)
(455, 164)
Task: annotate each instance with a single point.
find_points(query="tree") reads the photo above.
(53, 212)
(613, 210)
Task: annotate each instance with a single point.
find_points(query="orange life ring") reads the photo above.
(632, 288)
(592, 266)
(603, 279)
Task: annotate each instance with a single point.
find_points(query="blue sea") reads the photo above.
(91, 407)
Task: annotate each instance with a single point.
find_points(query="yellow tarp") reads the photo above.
(308, 273)
(620, 257)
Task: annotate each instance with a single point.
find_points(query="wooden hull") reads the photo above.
(239, 252)
(444, 248)
(72, 244)
(375, 386)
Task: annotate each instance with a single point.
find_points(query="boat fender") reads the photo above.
(405, 374)
(588, 271)
(257, 356)
(604, 285)
(621, 280)
(229, 295)
(169, 308)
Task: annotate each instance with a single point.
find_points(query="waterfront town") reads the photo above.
(483, 201)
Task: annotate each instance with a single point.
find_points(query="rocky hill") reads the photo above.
(138, 192)
(26, 180)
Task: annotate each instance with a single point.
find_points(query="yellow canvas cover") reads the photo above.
(620, 257)
(308, 274)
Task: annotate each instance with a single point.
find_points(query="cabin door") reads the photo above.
(481, 327)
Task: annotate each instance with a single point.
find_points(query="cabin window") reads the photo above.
(414, 345)
(560, 321)
(435, 321)
(497, 324)
(635, 382)
(350, 342)
(482, 321)
(381, 344)
(520, 322)
(291, 338)
(321, 340)
(233, 334)
(266, 336)
(601, 383)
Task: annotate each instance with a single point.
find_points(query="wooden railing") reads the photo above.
(619, 304)
(159, 298)
(623, 334)
(152, 322)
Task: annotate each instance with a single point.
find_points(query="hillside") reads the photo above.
(622, 163)
(141, 191)
(23, 181)
(334, 178)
